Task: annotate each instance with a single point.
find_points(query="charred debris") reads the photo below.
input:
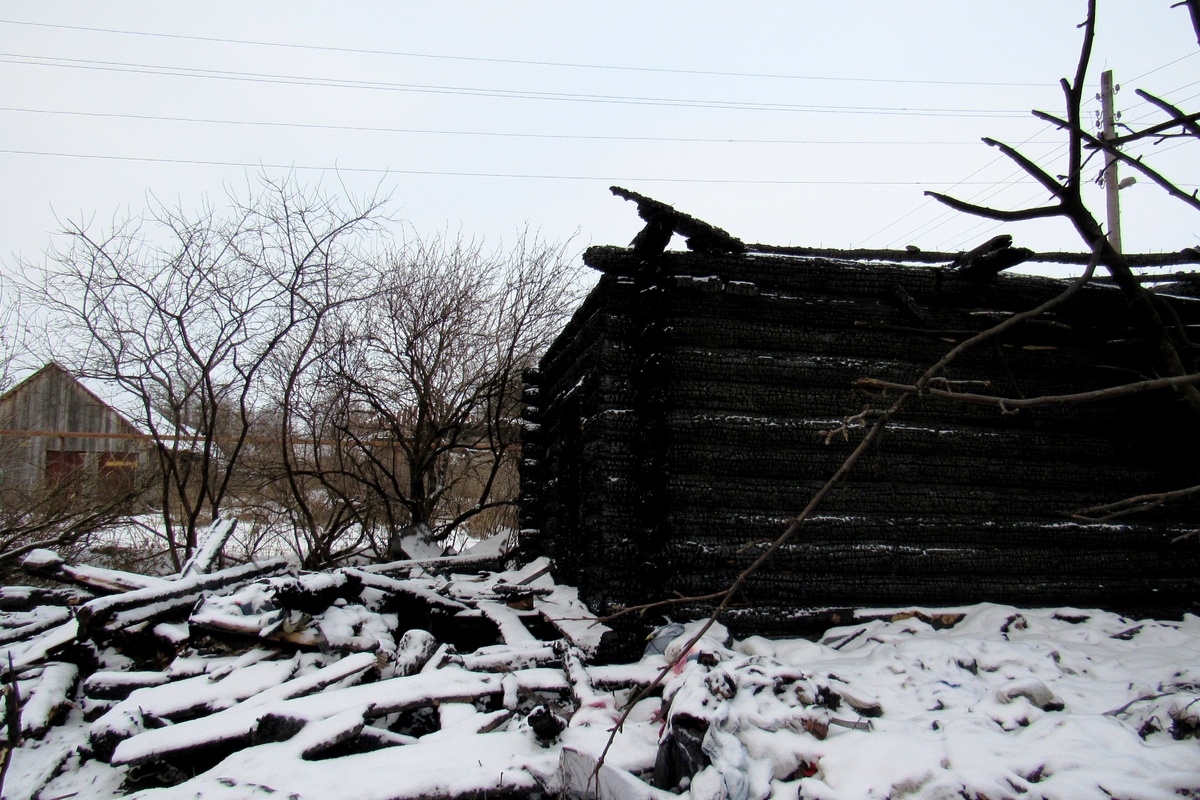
(173, 674)
(153, 681)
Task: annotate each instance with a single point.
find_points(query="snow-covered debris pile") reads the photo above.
(396, 682)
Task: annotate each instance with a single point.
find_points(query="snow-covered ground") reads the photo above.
(985, 701)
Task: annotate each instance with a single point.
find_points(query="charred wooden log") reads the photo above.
(990, 258)
(663, 221)
(208, 549)
(142, 605)
(48, 564)
(27, 598)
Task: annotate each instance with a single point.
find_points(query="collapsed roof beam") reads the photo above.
(663, 221)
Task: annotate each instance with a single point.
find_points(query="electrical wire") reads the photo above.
(1164, 66)
(947, 213)
(521, 62)
(466, 174)
(563, 136)
(468, 91)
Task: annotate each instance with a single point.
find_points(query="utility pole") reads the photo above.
(1111, 186)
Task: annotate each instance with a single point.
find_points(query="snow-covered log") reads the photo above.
(18, 625)
(512, 630)
(208, 549)
(323, 735)
(413, 589)
(19, 655)
(120, 611)
(114, 685)
(438, 564)
(447, 685)
(577, 676)
(187, 698)
(502, 658)
(50, 698)
(48, 564)
(240, 722)
(27, 598)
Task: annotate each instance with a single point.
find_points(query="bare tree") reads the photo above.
(406, 414)
(14, 332)
(1177, 365)
(183, 312)
(62, 513)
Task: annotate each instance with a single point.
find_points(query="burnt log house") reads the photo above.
(683, 417)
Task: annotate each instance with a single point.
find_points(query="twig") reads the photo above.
(1132, 505)
(1136, 163)
(1015, 403)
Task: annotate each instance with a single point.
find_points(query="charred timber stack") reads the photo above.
(683, 417)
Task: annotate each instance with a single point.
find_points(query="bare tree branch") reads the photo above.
(1135, 162)
(1011, 404)
(1193, 7)
(1132, 505)
(995, 213)
(1186, 121)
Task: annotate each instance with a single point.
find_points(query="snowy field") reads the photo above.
(979, 702)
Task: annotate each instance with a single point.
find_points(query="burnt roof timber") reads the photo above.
(1189, 255)
(663, 220)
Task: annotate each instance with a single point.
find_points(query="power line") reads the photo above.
(521, 62)
(564, 136)
(456, 174)
(468, 91)
(1164, 66)
(947, 213)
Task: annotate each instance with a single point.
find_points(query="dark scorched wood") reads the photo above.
(686, 412)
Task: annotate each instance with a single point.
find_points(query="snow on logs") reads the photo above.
(174, 674)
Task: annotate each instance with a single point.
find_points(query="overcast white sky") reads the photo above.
(798, 123)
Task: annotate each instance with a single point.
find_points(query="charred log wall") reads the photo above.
(683, 418)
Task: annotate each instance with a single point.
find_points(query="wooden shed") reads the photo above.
(696, 403)
(54, 428)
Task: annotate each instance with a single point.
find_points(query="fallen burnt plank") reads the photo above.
(502, 658)
(273, 628)
(49, 700)
(312, 737)
(449, 684)
(414, 589)
(27, 598)
(19, 655)
(512, 630)
(120, 611)
(112, 685)
(19, 626)
(577, 676)
(183, 699)
(208, 549)
(315, 592)
(48, 564)
(436, 564)
(122, 725)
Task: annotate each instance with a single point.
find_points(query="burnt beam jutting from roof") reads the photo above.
(663, 221)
